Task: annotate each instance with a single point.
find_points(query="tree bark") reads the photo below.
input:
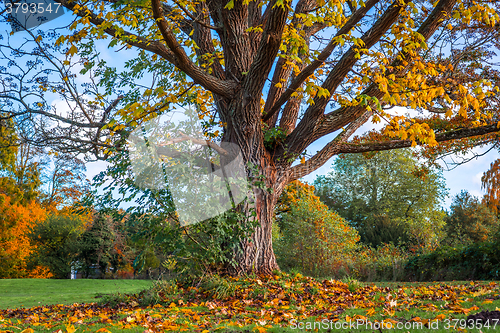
(256, 254)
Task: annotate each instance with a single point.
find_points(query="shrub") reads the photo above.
(478, 261)
(312, 238)
(383, 263)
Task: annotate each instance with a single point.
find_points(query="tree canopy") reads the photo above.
(470, 221)
(388, 197)
(275, 76)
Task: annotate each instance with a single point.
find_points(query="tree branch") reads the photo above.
(342, 116)
(219, 87)
(337, 147)
(183, 137)
(195, 19)
(396, 144)
(331, 149)
(267, 51)
(223, 88)
(327, 51)
(283, 71)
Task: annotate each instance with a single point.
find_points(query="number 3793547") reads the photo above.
(32, 8)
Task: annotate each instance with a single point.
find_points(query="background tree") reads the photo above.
(220, 56)
(16, 219)
(388, 197)
(470, 221)
(98, 247)
(57, 243)
(65, 182)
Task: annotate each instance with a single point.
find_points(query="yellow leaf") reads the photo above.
(303, 160)
(440, 317)
(28, 330)
(72, 50)
(70, 328)
(370, 311)
(230, 5)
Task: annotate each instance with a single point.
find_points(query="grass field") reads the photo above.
(282, 303)
(15, 293)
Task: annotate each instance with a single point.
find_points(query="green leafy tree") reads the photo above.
(98, 247)
(20, 165)
(388, 197)
(57, 243)
(470, 221)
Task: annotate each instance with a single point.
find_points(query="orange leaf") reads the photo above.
(440, 317)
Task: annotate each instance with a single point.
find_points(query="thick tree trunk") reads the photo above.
(257, 253)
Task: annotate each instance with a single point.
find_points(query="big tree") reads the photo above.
(276, 75)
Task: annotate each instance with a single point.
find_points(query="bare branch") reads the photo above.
(195, 19)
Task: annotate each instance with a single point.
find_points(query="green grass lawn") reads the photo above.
(15, 293)
(279, 304)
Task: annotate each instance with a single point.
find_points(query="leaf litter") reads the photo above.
(261, 303)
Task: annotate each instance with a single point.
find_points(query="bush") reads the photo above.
(383, 263)
(478, 261)
(311, 238)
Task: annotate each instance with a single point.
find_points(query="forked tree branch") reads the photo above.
(220, 87)
(330, 150)
(323, 56)
(266, 52)
(216, 86)
(343, 116)
(183, 137)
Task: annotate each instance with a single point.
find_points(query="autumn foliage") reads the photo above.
(311, 237)
(15, 247)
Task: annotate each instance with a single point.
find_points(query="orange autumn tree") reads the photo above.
(311, 237)
(15, 247)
